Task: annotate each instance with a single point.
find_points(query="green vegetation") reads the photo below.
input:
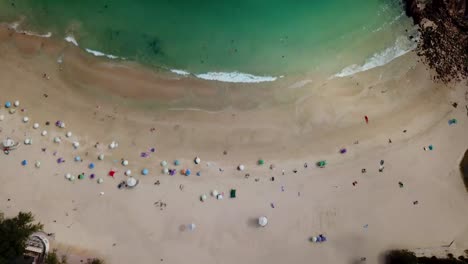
(408, 257)
(14, 232)
(95, 261)
(52, 258)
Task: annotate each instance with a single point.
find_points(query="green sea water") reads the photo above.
(260, 37)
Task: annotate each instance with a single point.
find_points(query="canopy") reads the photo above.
(262, 221)
(131, 182)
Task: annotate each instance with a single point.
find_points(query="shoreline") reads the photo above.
(307, 122)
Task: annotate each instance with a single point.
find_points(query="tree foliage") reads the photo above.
(14, 232)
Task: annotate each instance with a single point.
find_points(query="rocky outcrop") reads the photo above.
(444, 35)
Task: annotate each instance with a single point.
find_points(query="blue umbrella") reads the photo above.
(91, 166)
(77, 158)
(8, 104)
(187, 172)
(176, 162)
(144, 171)
(24, 162)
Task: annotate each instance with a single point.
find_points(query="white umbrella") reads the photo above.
(27, 141)
(76, 144)
(25, 119)
(128, 172)
(8, 142)
(38, 164)
(100, 180)
(165, 171)
(262, 221)
(44, 133)
(203, 197)
(241, 167)
(131, 182)
(68, 176)
(68, 134)
(214, 193)
(164, 163)
(101, 157)
(36, 126)
(16, 103)
(125, 162)
(197, 160)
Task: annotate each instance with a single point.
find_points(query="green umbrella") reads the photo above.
(261, 162)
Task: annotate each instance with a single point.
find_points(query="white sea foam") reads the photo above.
(72, 40)
(15, 26)
(180, 72)
(100, 54)
(236, 77)
(402, 46)
(233, 77)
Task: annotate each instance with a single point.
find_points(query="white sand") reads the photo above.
(286, 128)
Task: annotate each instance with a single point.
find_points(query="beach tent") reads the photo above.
(131, 182)
(262, 221)
(321, 163)
(191, 226)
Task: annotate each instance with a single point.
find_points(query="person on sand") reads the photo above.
(367, 119)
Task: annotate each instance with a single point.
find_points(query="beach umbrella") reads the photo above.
(72, 178)
(219, 196)
(25, 119)
(36, 126)
(214, 193)
(27, 141)
(313, 239)
(68, 134)
(57, 140)
(77, 158)
(176, 162)
(203, 197)
(262, 221)
(145, 171)
(165, 171)
(92, 176)
(131, 182)
(191, 226)
(241, 167)
(62, 125)
(164, 163)
(100, 180)
(197, 160)
(128, 172)
(8, 142)
(8, 104)
(124, 162)
(44, 133)
(76, 144)
(187, 172)
(101, 157)
(261, 162)
(38, 164)
(24, 162)
(68, 176)
(16, 103)
(12, 111)
(91, 166)
(113, 145)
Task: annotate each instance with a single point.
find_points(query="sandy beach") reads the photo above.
(288, 123)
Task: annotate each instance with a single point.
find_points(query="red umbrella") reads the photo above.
(112, 173)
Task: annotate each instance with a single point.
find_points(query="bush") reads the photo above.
(400, 257)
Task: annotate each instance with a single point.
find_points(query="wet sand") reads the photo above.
(287, 123)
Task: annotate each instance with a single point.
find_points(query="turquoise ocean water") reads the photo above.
(215, 39)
